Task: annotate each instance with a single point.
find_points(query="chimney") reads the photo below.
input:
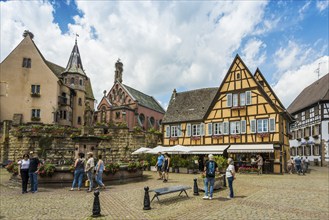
(118, 71)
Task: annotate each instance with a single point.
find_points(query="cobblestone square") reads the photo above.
(257, 197)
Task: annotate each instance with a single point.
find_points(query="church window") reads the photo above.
(72, 80)
(117, 115)
(79, 120)
(81, 82)
(80, 101)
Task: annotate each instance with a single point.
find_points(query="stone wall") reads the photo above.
(60, 145)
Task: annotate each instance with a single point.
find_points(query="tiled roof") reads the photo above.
(55, 68)
(314, 93)
(190, 105)
(145, 100)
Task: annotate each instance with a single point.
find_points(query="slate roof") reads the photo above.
(145, 100)
(75, 64)
(190, 105)
(314, 93)
(55, 68)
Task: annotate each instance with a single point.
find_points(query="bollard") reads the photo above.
(147, 202)
(195, 188)
(96, 205)
(224, 180)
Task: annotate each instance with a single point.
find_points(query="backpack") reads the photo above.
(211, 169)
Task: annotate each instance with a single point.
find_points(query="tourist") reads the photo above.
(302, 165)
(230, 175)
(166, 166)
(99, 172)
(159, 165)
(306, 161)
(33, 171)
(23, 171)
(210, 169)
(89, 169)
(298, 163)
(290, 164)
(259, 162)
(78, 171)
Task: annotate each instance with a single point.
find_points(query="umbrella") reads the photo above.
(177, 149)
(141, 150)
(157, 149)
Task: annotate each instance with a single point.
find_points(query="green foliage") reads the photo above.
(138, 129)
(111, 168)
(175, 160)
(12, 168)
(153, 160)
(47, 169)
(221, 161)
(134, 166)
(183, 162)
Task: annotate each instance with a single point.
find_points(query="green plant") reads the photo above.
(221, 161)
(111, 168)
(134, 166)
(137, 129)
(12, 168)
(183, 162)
(153, 160)
(175, 161)
(46, 169)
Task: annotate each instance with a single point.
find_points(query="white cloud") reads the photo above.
(303, 9)
(253, 53)
(322, 5)
(292, 82)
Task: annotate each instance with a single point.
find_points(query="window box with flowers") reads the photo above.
(35, 118)
(35, 95)
(261, 135)
(173, 138)
(234, 136)
(195, 138)
(111, 168)
(238, 107)
(217, 136)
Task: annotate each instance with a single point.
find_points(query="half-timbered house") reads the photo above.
(242, 119)
(310, 131)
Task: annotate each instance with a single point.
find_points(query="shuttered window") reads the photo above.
(229, 100)
(243, 126)
(253, 126)
(248, 98)
(272, 125)
(209, 129)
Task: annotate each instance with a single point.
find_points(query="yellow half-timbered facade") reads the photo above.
(243, 119)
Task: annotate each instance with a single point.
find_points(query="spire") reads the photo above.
(75, 65)
(118, 71)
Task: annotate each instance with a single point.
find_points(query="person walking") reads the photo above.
(33, 171)
(298, 163)
(259, 162)
(166, 166)
(210, 170)
(23, 171)
(159, 165)
(78, 171)
(230, 175)
(99, 172)
(290, 164)
(89, 169)
(307, 162)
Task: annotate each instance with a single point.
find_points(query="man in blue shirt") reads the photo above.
(159, 164)
(298, 162)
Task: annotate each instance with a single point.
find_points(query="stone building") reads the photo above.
(128, 106)
(35, 90)
(241, 118)
(310, 131)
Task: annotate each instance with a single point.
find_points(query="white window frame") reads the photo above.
(218, 129)
(272, 125)
(235, 127)
(35, 89)
(196, 130)
(35, 113)
(262, 125)
(174, 131)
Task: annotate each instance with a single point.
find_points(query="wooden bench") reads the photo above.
(167, 190)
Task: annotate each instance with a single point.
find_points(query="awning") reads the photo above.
(250, 148)
(141, 150)
(207, 149)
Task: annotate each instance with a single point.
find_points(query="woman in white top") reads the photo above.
(230, 175)
(23, 171)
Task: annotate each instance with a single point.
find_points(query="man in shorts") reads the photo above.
(159, 165)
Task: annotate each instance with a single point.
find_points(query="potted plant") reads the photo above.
(12, 167)
(111, 168)
(175, 163)
(47, 169)
(221, 162)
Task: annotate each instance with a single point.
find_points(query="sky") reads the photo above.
(182, 45)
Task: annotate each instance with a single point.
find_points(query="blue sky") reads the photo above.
(177, 44)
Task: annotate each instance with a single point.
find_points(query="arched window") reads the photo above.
(141, 120)
(80, 101)
(81, 82)
(152, 121)
(72, 80)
